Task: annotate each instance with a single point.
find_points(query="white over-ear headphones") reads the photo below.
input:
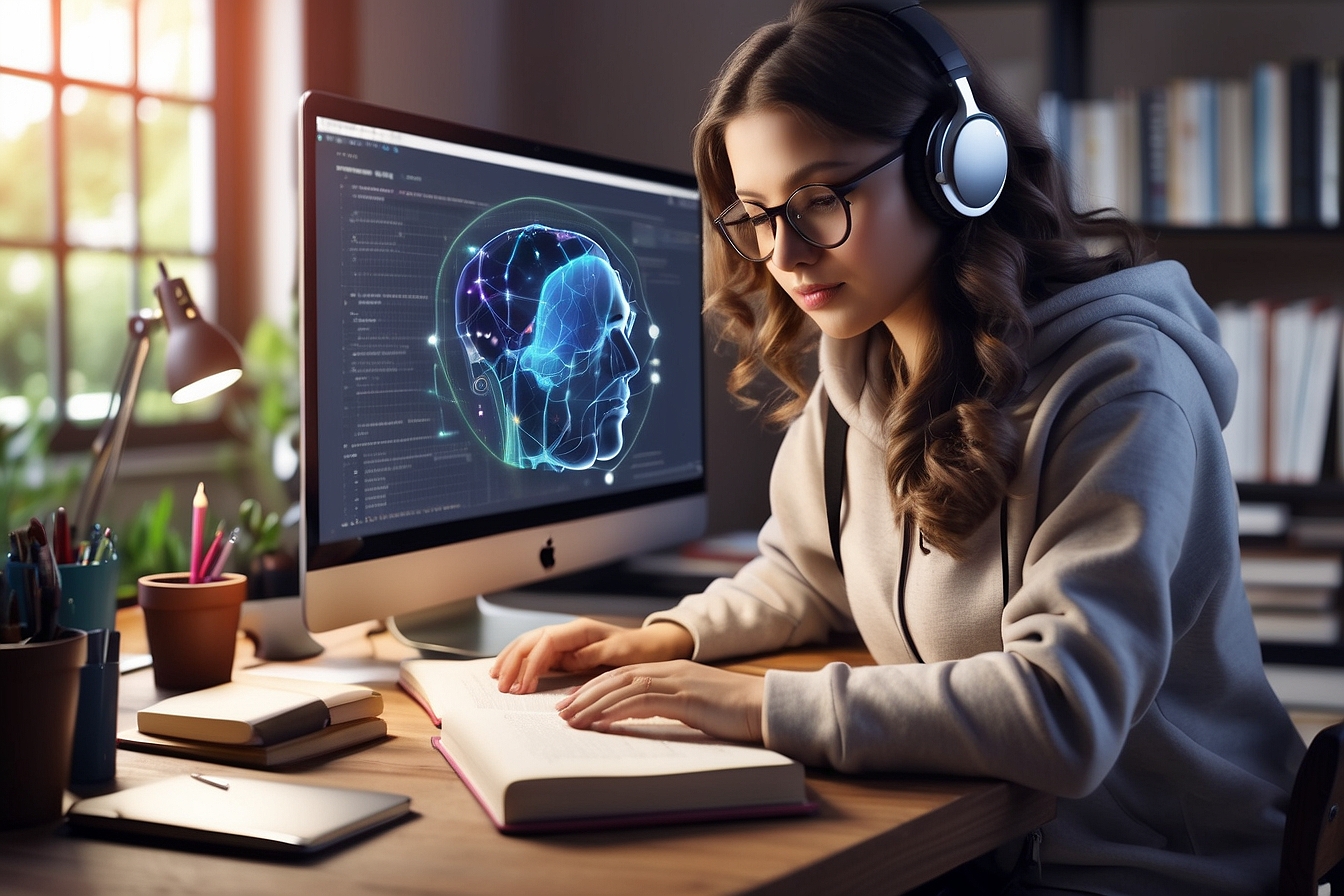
(964, 164)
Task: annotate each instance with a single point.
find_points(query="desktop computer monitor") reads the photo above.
(501, 371)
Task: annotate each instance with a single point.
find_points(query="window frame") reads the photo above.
(234, 32)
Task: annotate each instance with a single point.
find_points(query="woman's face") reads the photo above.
(880, 274)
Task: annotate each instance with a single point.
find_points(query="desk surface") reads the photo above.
(872, 833)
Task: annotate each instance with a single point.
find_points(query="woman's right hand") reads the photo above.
(584, 644)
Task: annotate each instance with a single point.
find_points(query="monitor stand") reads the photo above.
(482, 627)
(468, 629)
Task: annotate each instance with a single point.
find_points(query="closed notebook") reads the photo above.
(234, 811)
(240, 712)
(340, 736)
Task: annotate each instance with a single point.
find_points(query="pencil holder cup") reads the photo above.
(88, 593)
(39, 692)
(192, 629)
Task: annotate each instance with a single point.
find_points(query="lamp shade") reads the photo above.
(202, 358)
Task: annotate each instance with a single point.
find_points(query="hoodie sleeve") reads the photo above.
(1088, 635)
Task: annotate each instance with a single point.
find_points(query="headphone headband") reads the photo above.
(964, 166)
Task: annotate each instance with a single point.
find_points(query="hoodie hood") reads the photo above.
(1159, 294)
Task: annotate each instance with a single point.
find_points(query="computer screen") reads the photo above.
(501, 363)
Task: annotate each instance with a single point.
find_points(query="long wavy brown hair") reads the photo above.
(950, 450)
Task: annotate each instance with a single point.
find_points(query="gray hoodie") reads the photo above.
(1095, 643)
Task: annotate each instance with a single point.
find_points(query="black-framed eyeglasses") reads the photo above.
(819, 213)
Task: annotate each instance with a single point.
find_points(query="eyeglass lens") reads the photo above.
(816, 213)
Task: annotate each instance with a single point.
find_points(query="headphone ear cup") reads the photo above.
(920, 168)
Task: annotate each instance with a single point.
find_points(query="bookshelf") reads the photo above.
(1101, 49)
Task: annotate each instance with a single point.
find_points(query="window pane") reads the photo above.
(25, 40)
(27, 294)
(177, 55)
(100, 206)
(25, 167)
(96, 40)
(177, 207)
(154, 406)
(98, 304)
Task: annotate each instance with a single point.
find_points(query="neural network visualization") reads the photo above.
(540, 335)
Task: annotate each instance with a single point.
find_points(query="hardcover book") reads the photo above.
(306, 746)
(239, 712)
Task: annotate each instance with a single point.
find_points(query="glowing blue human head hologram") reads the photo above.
(545, 325)
(580, 361)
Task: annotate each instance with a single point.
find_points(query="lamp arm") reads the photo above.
(111, 438)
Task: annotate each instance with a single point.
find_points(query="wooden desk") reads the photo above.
(872, 834)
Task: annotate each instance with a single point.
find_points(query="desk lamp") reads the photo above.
(202, 360)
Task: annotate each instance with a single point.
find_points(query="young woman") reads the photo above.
(1037, 539)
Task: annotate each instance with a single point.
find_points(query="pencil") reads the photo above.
(198, 508)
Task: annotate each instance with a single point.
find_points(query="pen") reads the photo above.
(95, 537)
(199, 503)
(213, 782)
(218, 569)
(106, 547)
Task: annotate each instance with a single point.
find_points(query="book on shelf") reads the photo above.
(247, 713)
(1094, 153)
(1152, 130)
(1263, 519)
(1192, 152)
(1317, 531)
(1270, 104)
(531, 772)
(1236, 204)
(1291, 597)
(321, 742)
(1291, 567)
(1296, 626)
(1329, 147)
(1304, 137)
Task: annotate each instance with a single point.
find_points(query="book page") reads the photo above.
(526, 736)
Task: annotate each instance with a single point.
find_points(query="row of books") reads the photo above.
(1287, 359)
(1257, 151)
(1294, 594)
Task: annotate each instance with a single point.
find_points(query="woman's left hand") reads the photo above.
(723, 704)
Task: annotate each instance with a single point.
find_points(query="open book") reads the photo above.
(532, 773)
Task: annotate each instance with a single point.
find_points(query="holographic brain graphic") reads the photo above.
(544, 324)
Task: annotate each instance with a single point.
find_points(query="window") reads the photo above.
(108, 126)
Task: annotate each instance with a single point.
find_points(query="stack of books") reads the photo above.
(259, 725)
(1294, 593)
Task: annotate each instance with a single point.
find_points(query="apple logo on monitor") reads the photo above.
(548, 554)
